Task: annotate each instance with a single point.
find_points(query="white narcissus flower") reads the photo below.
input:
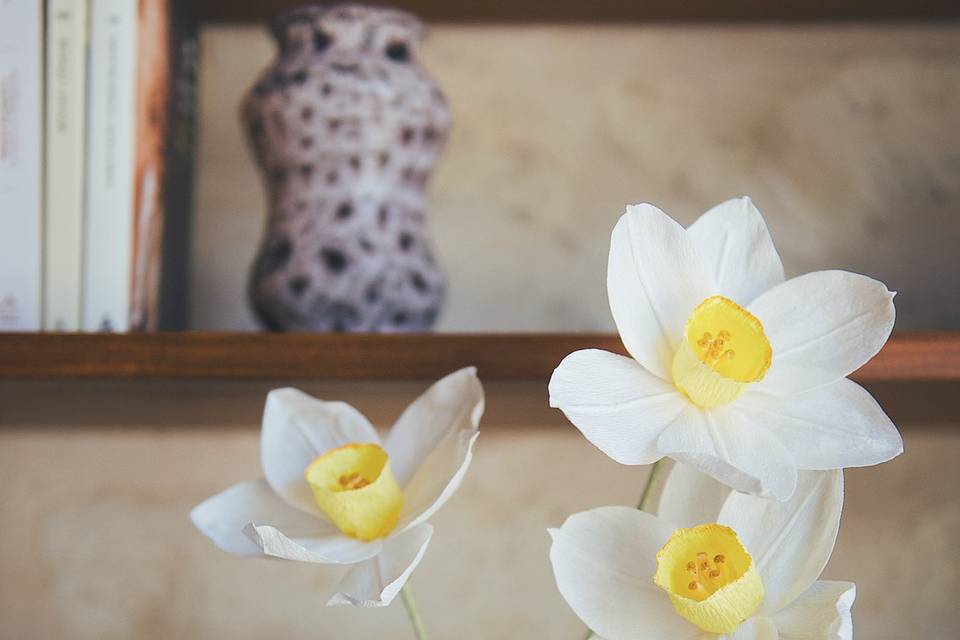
(734, 370)
(750, 573)
(334, 493)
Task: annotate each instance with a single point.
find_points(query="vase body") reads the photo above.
(346, 128)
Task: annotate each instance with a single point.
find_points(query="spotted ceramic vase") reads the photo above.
(346, 127)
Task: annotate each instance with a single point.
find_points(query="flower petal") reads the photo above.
(734, 240)
(790, 541)
(822, 612)
(690, 497)
(377, 581)
(334, 548)
(722, 443)
(831, 427)
(223, 517)
(755, 628)
(655, 278)
(618, 405)
(603, 561)
(438, 478)
(296, 429)
(823, 326)
(454, 403)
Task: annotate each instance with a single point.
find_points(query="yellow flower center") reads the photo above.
(710, 577)
(354, 486)
(724, 349)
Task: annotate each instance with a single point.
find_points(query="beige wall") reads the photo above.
(846, 137)
(96, 480)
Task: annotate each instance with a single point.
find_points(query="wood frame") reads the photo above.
(615, 11)
(908, 356)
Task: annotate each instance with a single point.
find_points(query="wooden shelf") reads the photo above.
(614, 11)
(909, 356)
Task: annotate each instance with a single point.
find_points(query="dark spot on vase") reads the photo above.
(299, 285)
(406, 135)
(321, 41)
(278, 175)
(344, 211)
(334, 124)
(382, 214)
(372, 293)
(383, 158)
(399, 318)
(326, 90)
(332, 177)
(306, 113)
(333, 259)
(430, 134)
(398, 51)
(278, 255)
(418, 282)
(306, 171)
(299, 77)
(366, 245)
(347, 69)
(405, 241)
(355, 162)
(306, 142)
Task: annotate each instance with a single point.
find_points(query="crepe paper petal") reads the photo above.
(603, 561)
(438, 478)
(690, 497)
(823, 326)
(791, 542)
(655, 278)
(377, 581)
(296, 430)
(223, 517)
(822, 612)
(722, 443)
(734, 241)
(618, 405)
(453, 403)
(831, 427)
(332, 549)
(756, 628)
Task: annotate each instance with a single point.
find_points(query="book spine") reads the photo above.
(155, 54)
(66, 62)
(108, 215)
(21, 108)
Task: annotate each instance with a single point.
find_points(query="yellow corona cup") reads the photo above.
(724, 349)
(710, 577)
(355, 487)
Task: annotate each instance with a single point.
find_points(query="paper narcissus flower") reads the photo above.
(734, 369)
(334, 493)
(712, 564)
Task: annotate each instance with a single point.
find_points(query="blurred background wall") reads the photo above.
(846, 137)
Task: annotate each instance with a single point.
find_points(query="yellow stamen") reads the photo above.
(724, 349)
(723, 593)
(355, 487)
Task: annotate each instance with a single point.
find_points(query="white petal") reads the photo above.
(604, 561)
(832, 427)
(223, 517)
(618, 405)
(438, 478)
(722, 443)
(296, 429)
(790, 541)
(756, 628)
(377, 581)
(454, 403)
(690, 497)
(334, 548)
(821, 613)
(733, 239)
(655, 278)
(823, 326)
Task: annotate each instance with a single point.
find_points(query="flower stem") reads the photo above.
(643, 504)
(406, 594)
(651, 482)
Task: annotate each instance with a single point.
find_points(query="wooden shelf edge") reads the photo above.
(613, 11)
(908, 356)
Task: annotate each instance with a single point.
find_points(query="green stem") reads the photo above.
(642, 505)
(406, 594)
(651, 482)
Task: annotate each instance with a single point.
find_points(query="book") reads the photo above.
(66, 63)
(108, 219)
(21, 106)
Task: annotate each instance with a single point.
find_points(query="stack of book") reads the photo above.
(96, 131)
